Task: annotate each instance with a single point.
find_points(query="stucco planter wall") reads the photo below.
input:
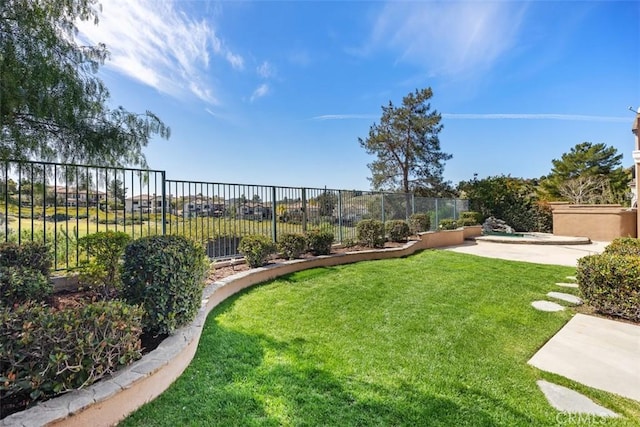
(110, 400)
(597, 222)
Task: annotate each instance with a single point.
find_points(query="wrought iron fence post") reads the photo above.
(274, 218)
(382, 205)
(413, 204)
(436, 224)
(340, 237)
(304, 210)
(163, 209)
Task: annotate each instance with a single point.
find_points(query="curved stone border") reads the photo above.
(111, 400)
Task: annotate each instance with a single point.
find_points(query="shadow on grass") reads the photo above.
(245, 379)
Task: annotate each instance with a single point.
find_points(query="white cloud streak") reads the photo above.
(158, 45)
(447, 37)
(266, 70)
(260, 91)
(496, 116)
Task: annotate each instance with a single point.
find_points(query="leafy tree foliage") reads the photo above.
(326, 203)
(588, 160)
(53, 106)
(513, 200)
(406, 145)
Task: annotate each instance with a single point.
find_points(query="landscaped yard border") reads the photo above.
(111, 400)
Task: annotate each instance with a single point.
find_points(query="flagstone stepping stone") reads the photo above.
(547, 306)
(571, 278)
(571, 299)
(568, 285)
(570, 401)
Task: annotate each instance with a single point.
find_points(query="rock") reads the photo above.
(547, 306)
(494, 225)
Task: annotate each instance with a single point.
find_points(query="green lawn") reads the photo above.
(438, 338)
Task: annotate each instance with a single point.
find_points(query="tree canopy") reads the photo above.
(587, 163)
(406, 145)
(53, 106)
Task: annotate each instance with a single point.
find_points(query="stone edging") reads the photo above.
(111, 400)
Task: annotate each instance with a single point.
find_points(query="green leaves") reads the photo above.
(370, 232)
(53, 105)
(256, 248)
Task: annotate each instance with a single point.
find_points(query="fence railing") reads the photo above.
(59, 203)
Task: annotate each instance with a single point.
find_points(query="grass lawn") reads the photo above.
(438, 338)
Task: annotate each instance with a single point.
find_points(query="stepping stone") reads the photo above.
(568, 285)
(571, 278)
(547, 306)
(571, 299)
(567, 400)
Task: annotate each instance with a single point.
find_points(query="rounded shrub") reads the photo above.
(370, 233)
(419, 223)
(46, 352)
(611, 284)
(34, 255)
(623, 246)
(165, 275)
(448, 224)
(256, 249)
(102, 271)
(292, 245)
(397, 230)
(319, 241)
(21, 284)
(470, 218)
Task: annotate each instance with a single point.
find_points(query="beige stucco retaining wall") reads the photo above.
(600, 223)
(110, 400)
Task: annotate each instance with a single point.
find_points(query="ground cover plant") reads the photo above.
(438, 338)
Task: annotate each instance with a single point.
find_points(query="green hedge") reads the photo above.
(44, 352)
(397, 230)
(370, 232)
(165, 275)
(256, 249)
(319, 241)
(419, 223)
(611, 284)
(624, 246)
(292, 245)
(448, 224)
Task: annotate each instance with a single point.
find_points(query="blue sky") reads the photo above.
(278, 93)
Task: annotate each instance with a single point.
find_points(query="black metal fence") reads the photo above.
(59, 203)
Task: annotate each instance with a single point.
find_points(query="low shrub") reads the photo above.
(165, 275)
(370, 233)
(256, 249)
(419, 223)
(448, 224)
(611, 284)
(35, 255)
(319, 241)
(21, 284)
(624, 246)
(470, 218)
(102, 270)
(397, 230)
(292, 245)
(44, 352)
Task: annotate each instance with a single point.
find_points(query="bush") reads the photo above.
(256, 248)
(370, 232)
(470, 218)
(397, 230)
(34, 255)
(419, 223)
(165, 275)
(44, 352)
(319, 241)
(624, 246)
(291, 246)
(21, 284)
(103, 269)
(611, 284)
(448, 224)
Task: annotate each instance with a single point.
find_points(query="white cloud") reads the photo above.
(266, 70)
(260, 91)
(540, 116)
(447, 37)
(159, 45)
